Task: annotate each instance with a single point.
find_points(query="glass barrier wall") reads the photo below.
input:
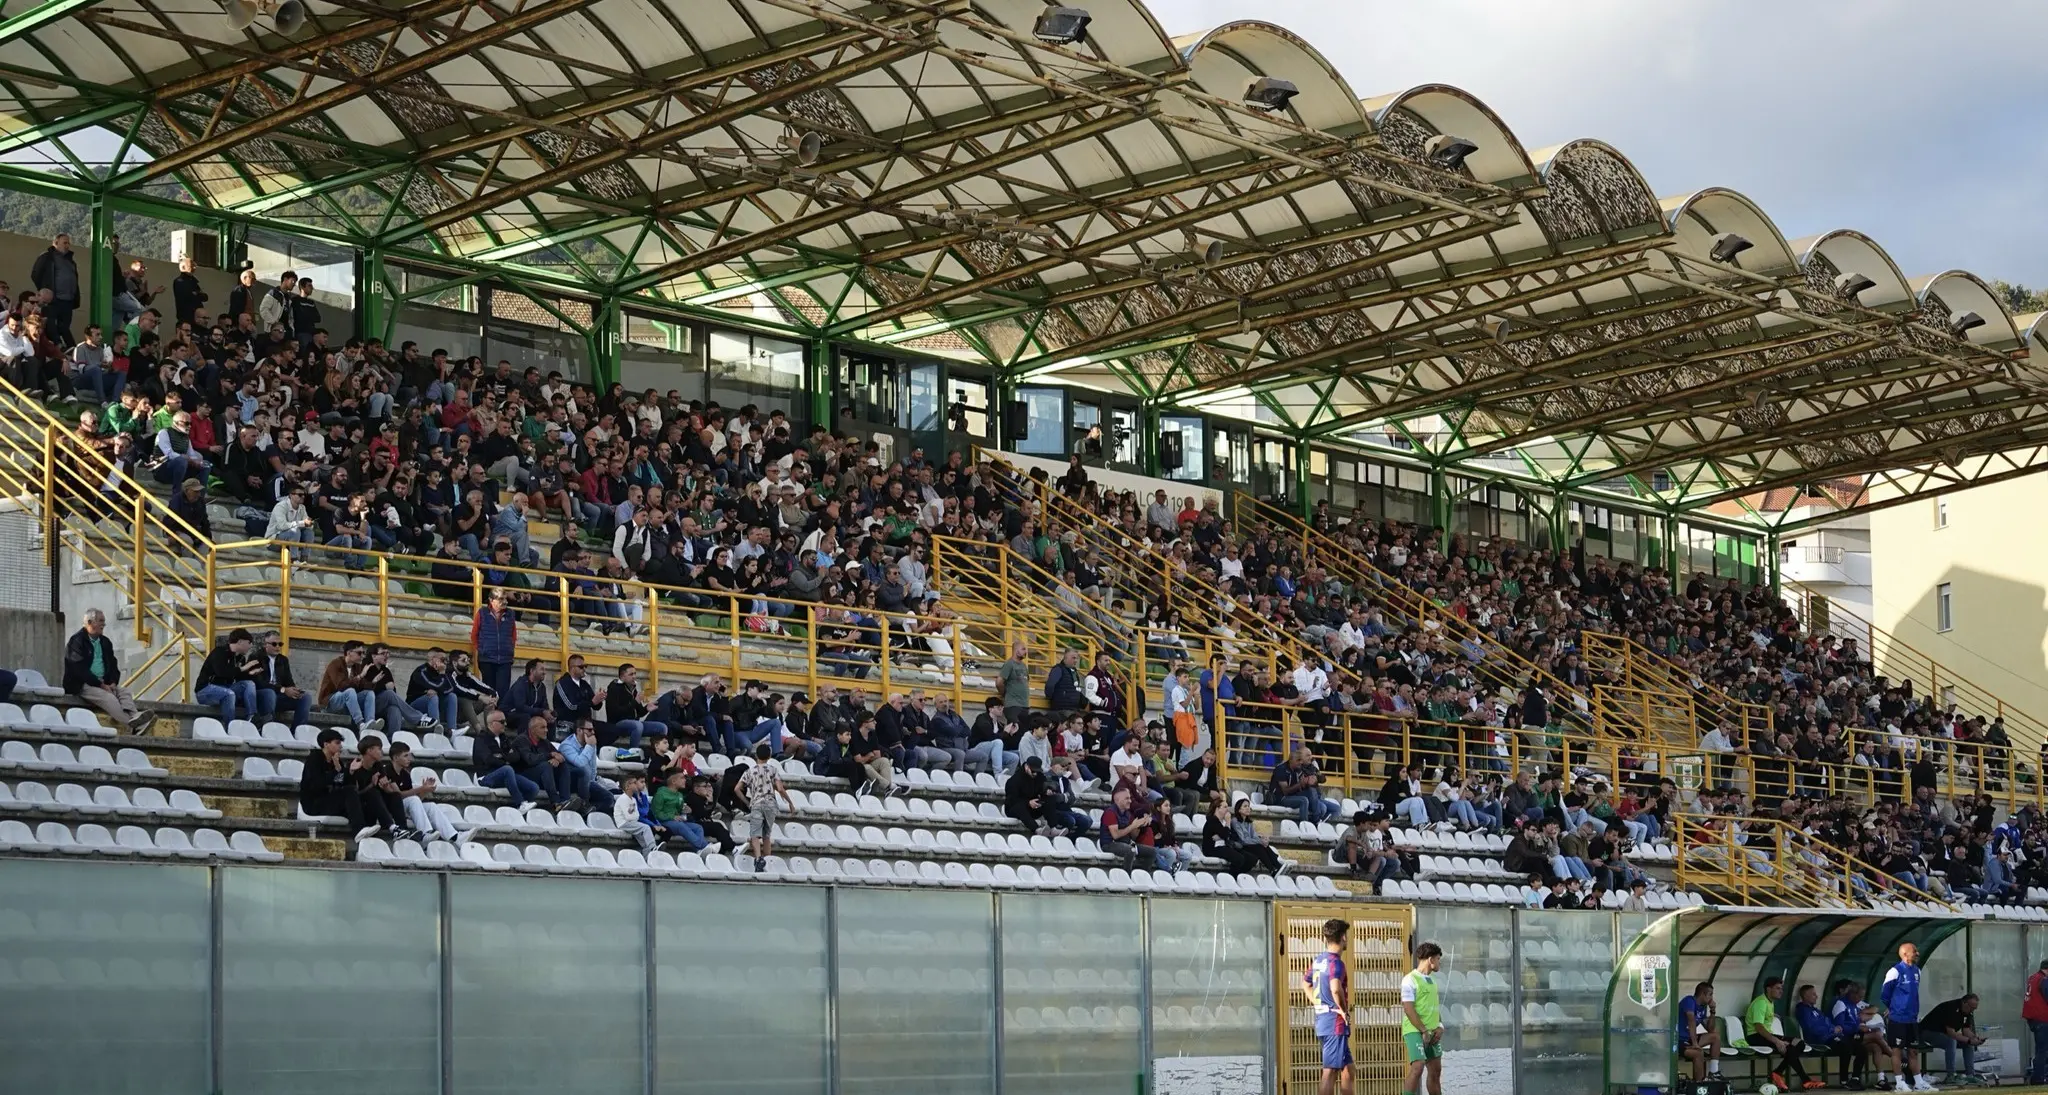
(1475, 995)
(1567, 961)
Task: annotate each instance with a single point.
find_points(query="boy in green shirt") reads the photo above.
(668, 800)
(1422, 1028)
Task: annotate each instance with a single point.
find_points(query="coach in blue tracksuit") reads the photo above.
(1900, 994)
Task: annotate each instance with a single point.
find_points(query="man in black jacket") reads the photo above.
(56, 270)
(536, 758)
(186, 294)
(330, 787)
(226, 678)
(1063, 684)
(625, 716)
(490, 761)
(431, 689)
(274, 683)
(1024, 794)
(575, 695)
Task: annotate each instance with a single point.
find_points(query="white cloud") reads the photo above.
(1919, 124)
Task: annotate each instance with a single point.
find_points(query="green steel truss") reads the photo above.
(1110, 214)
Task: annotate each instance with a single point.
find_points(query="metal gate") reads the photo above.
(1377, 959)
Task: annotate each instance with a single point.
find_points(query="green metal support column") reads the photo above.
(1672, 562)
(100, 267)
(374, 306)
(1440, 507)
(818, 379)
(1148, 440)
(1560, 522)
(603, 340)
(1770, 560)
(1301, 479)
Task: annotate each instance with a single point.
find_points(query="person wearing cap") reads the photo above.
(1024, 795)
(190, 504)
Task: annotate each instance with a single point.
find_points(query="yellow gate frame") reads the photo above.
(1377, 960)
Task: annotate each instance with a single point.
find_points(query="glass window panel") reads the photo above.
(1640, 1004)
(1045, 414)
(1124, 425)
(542, 964)
(1945, 973)
(1211, 987)
(1997, 963)
(543, 348)
(747, 368)
(967, 406)
(918, 409)
(1567, 960)
(915, 993)
(1071, 995)
(720, 1031)
(103, 979)
(1475, 993)
(1191, 468)
(438, 329)
(331, 982)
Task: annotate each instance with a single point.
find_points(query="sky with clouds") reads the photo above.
(1920, 124)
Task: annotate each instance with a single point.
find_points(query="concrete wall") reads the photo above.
(32, 640)
(1989, 556)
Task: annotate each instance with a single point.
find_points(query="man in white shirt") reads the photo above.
(1127, 763)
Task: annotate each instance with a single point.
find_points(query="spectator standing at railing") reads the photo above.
(226, 677)
(56, 271)
(495, 637)
(1063, 683)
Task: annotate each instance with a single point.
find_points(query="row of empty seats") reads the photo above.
(134, 840)
(1495, 894)
(105, 799)
(43, 718)
(89, 760)
(573, 860)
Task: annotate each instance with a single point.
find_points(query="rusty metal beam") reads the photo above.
(576, 168)
(516, 23)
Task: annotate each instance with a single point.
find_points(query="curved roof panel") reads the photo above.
(1108, 211)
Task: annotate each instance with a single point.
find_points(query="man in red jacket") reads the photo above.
(2035, 1011)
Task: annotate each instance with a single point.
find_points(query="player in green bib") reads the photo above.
(1422, 1030)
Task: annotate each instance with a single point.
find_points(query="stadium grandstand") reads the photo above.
(824, 546)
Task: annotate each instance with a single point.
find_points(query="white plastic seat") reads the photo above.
(258, 768)
(190, 804)
(136, 762)
(76, 799)
(176, 842)
(136, 839)
(84, 719)
(251, 846)
(94, 839)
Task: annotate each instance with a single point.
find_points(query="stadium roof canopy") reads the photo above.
(1112, 213)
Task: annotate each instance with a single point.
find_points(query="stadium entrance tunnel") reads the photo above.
(1737, 950)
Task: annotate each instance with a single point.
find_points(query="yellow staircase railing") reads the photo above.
(1140, 572)
(1636, 666)
(1899, 661)
(118, 533)
(1367, 579)
(1771, 863)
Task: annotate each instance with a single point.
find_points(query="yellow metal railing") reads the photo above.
(1767, 862)
(1139, 573)
(1367, 579)
(117, 532)
(1637, 666)
(1899, 661)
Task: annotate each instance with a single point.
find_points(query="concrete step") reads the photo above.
(271, 809)
(310, 849)
(187, 765)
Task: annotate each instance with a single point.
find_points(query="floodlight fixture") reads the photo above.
(1727, 246)
(1062, 26)
(1449, 152)
(1964, 322)
(1851, 284)
(1270, 94)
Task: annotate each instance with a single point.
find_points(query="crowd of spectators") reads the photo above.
(363, 447)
